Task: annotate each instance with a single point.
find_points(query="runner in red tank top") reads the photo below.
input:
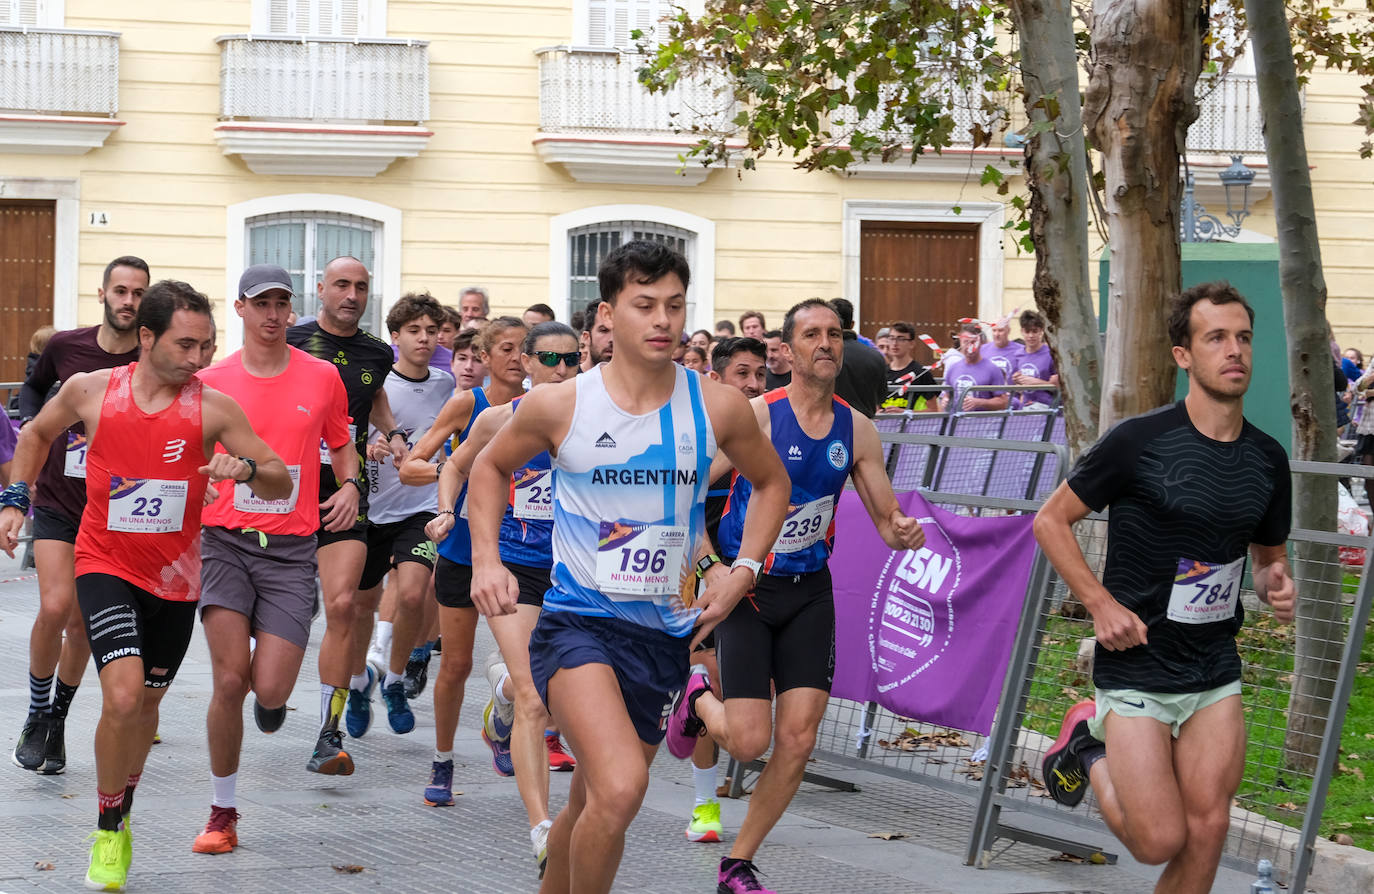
(151, 428)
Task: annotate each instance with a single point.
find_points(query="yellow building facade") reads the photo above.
(500, 144)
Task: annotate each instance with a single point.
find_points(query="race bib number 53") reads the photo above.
(1204, 593)
(640, 560)
(146, 505)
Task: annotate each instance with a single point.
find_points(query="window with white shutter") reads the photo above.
(319, 18)
(32, 13)
(610, 22)
(588, 246)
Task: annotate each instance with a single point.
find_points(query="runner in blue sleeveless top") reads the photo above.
(782, 639)
(631, 443)
(515, 720)
(499, 344)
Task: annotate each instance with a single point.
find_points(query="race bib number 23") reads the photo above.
(146, 505)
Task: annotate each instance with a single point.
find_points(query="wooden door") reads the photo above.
(27, 231)
(924, 273)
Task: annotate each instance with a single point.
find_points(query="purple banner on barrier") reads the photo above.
(928, 634)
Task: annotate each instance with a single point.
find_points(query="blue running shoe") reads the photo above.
(500, 755)
(398, 712)
(439, 792)
(358, 714)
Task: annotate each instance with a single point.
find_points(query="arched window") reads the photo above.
(303, 242)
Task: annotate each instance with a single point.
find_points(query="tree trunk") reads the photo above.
(1057, 176)
(1146, 58)
(1321, 627)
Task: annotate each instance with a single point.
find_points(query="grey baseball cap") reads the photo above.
(261, 277)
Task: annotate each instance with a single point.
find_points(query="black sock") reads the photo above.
(111, 813)
(62, 699)
(40, 693)
(1091, 754)
(129, 793)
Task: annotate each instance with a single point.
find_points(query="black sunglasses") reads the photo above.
(552, 358)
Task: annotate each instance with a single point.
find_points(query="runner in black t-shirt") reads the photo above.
(55, 666)
(1192, 487)
(363, 361)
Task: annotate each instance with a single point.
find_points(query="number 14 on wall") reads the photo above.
(98, 219)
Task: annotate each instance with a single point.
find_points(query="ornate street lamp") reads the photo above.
(1196, 224)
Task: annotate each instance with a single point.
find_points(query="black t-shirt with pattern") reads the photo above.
(1179, 499)
(363, 361)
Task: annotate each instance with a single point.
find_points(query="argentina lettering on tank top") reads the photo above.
(527, 527)
(629, 508)
(457, 546)
(819, 468)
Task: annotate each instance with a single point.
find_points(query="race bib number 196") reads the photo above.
(1204, 593)
(146, 506)
(640, 560)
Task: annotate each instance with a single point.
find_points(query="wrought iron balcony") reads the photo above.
(59, 89)
(322, 105)
(602, 125)
(1229, 120)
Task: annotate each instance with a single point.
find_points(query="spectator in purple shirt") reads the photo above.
(1002, 350)
(1034, 365)
(971, 370)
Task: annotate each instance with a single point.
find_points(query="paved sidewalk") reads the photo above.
(297, 827)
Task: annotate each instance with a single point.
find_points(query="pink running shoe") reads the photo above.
(684, 726)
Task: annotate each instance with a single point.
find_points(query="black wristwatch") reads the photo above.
(394, 432)
(356, 482)
(252, 469)
(704, 564)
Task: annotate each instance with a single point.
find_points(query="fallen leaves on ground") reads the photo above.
(44, 865)
(887, 836)
(972, 769)
(1354, 771)
(912, 739)
(349, 869)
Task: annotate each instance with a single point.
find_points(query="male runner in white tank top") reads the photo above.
(631, 443)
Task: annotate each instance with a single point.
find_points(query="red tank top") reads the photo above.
(144, 492)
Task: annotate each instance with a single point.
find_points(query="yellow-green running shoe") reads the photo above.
(110, 858)
(705, 824)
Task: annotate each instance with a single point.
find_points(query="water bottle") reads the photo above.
(1265, 883)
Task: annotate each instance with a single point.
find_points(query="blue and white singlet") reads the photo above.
(818, 469)
(630, 506)
(527, 527)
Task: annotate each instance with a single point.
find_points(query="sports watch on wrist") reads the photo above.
(356, 482)
(755, 567)
(704, 564)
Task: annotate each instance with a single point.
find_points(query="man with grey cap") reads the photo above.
(258, 556)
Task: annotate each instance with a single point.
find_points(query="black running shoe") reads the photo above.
(269, 720)
(1065, 777)
(329, 758)
(416, 675)
(55, 754)
(33, 741)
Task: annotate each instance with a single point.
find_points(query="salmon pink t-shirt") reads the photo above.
(292, 412)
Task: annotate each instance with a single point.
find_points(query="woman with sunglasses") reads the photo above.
(515, 719)
(499, 345)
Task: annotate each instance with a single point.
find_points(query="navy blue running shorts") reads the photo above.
(650, 665)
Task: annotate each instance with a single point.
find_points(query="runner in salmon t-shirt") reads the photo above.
(258, 556)
(152, 427)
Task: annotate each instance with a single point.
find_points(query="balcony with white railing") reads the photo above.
(602, 126)
(322, 105)
(1229, 123)
(59, 89)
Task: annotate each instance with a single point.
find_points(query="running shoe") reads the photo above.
(111, 855)
(398, 713)
(358, 714)
(498, 718)
(439, 792)
(500, 750)
(559, 759)
(1062, 769)
(375, 656)
(738, 876)
(269, 720)
(540, 840)
(684, 726)
(416, 675)
(438, 644)
(329, 758)
(221, 833)
(55, 752)
(33, 741)
(705, 824)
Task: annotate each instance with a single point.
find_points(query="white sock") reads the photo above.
(359, 681)
(382, 642)
(224, 790)
(326, 698)
(534, 833)
(501, 691)
(442, 756)
(392, 677)
(704, 781)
